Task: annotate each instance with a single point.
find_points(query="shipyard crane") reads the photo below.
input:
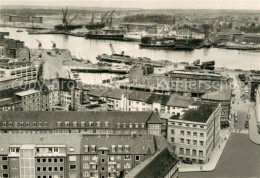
(39, 43)
(72, 19)
(110, 19)
(53, 44)
(112, 49)
(104, 16)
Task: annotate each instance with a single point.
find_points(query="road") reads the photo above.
(240, 158)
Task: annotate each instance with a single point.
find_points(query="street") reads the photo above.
(238, 154)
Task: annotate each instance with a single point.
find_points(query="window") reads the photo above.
(102, 160)
(106, 124)
(82, 124)
(86, 148)
(142, 125)
(61, 160)
(4, 124)
(55, 160)
(124, 125)
(118, 165)
(120, 149)
(72, 158)
(127, 165)
(67, 124)
(21, 124)
(72, 149)
(127, 157)
(113, 148)
(55, 150)
(188, 141)
(173, 131)
(201, 143)
(201, 134)
(61, 168)
(4, 158)
(126, 148)
(56, 169)
(118, 125)
(130, 125)
(86, 166)
(50, 169)
(189, 133)
(182, 140)
(103, 168)
(137, 158)
(194, 142)
(4, 167)
(72, 166)
(49, 160)
(43, 160)
(194, 125)
(172, 139)
(44, 169)
(75, 124)
(98, 124)
(194, 134)
(34, 124)
(93, 148)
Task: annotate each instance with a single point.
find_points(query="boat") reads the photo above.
(95, 26)
(19, 31)
(128, 60)
(62, 27)
(106, 34)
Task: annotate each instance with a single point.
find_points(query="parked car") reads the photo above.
(187, 161)
(246, 124)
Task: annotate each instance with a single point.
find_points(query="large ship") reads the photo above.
(168, 43)
(106, 34)
(125, 59)
(106, 20)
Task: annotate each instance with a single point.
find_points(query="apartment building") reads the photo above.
(112, 122)
(19, 68)
(10, 81)
(223, 97)
(195, 133)
(137, 101)
(75, 155)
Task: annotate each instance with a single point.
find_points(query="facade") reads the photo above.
(254, 84)
(19, 68)
(81, 122)
(195, 134)
(257, 106)
(9, 82)
(76, 155)
(223, 97)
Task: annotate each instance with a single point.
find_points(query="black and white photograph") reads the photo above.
(129, 88)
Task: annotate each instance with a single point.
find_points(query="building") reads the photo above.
(195, 133)
(254, 81)
(113, 122)
(140, 27)
(75, 155)
(223, 97)
(137, 101)
(257, 106)
(251, 38)
(10, 81)
(28, 97)
(163, 164)
(19, 68)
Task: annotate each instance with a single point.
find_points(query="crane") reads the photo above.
(72, 19)
(109, 19)
(53, 44)
(39, 43)
(112, 49)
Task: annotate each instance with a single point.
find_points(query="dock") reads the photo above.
(111, 70)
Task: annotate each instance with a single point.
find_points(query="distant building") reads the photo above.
(113, 122)
(195, 133)
(10, 81)
(254, 82)
(223, 97)
(77, 155)
(251, 38)
(257, 106)
(141, 27)
(163, 164)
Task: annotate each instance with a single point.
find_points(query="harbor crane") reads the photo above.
(53, 44)
(39, 43)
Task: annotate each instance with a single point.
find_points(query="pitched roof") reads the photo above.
(156, 166)
(116, 93)
(157, 98)
(179, 101)
(97, 92)
(113, 117)
(154, 119)
(70, 140)
(139, 96)
(220, 95)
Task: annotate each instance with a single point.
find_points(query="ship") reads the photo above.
(168, 43)
(66, 23)
(128, 60)
(106, 20)
(106, 34)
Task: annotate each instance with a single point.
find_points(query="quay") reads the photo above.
(111, 70)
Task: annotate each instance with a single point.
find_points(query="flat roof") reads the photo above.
(2, 79)
(27, 92)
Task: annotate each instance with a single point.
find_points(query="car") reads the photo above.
(246, 124)
(187, 161)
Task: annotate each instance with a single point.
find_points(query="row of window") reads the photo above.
(49, 160)
(50, 169)
(26, 124)
(188, 125)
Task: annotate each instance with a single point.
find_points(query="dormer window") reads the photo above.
(124, 125)
(55, 150)
(136, 125)
(39, 124)
(21, 124)
(45, 124)
(75, 124)
(16, 124)
(90, 124)
(86, 148)
(98, 124)
(118, 125)
(113, 148)
(4, 124)
(142, 125)
(120, 148)
(34, 124)
(27, 124)
(93, 148)
(72, 149)
(10, 124)
(106, 124)
(67, 124)
(126, 148)
(58, 124)
(82, 124)
(130, 125)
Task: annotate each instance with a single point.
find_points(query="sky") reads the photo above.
(145, 4)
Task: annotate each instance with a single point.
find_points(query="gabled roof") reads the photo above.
(157, 98)
(156, 166)
(179, 101)
(154, 119)
(139, 96)
(97, 92)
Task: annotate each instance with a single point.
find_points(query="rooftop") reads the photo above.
(221, 95)
(27, 92)
(139, 96)
(154, 167)
(202, 114)
(180, 101)
(157, 98)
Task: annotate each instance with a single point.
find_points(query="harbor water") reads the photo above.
(90, 49)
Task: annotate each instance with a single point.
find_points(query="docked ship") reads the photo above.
(168, 43)
(128, 60)
(106, 34)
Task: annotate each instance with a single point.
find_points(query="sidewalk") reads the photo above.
(254, 136)
(214, 156)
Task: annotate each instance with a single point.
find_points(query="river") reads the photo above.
(89, 49)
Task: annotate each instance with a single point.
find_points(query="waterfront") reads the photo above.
(89, 49)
